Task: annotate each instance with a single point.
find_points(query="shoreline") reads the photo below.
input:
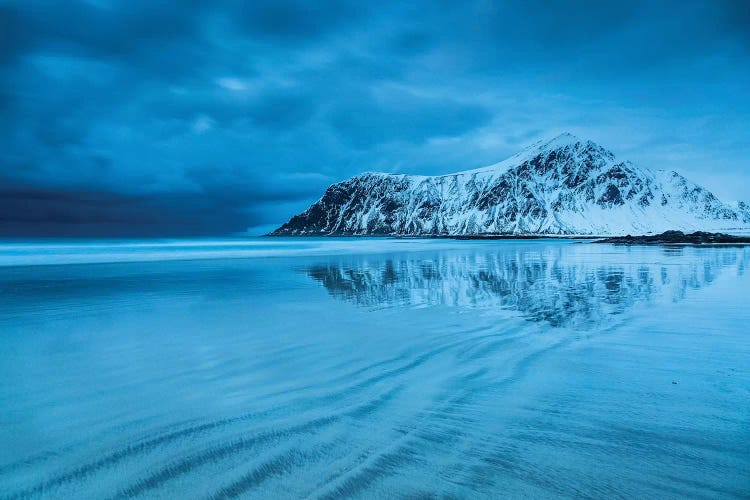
(665, 238)
(696, 238)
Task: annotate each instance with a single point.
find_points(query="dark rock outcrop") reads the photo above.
(678, 237)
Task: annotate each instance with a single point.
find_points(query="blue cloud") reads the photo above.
(377, 117)
(219, 115)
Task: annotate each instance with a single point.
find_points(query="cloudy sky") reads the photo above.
(150, 117)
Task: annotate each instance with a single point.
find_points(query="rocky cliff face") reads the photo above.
(565, 186)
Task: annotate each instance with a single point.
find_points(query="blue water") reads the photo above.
(329, 368)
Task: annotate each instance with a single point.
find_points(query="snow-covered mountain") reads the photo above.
(563, 186)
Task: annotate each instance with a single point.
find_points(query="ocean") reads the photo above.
(374, 368)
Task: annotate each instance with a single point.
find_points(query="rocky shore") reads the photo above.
(678, 238)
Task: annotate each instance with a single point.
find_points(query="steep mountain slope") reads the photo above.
(563, 186)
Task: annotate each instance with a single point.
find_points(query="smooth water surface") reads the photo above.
(330, 368)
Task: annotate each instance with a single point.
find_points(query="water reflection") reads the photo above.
(562, 287)
(244, 378)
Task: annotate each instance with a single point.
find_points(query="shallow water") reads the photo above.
(374, 368)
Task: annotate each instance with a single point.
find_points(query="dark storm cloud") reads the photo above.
(14, 40)
(156, 117)
(293, 21)
(219, 206)
(124, 30)
(279, 110)
(367, 119)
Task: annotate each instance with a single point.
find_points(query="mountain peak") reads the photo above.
(564, 139)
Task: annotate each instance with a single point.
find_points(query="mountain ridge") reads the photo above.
(562, 186)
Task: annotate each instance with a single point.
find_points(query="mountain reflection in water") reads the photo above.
(543, 285)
